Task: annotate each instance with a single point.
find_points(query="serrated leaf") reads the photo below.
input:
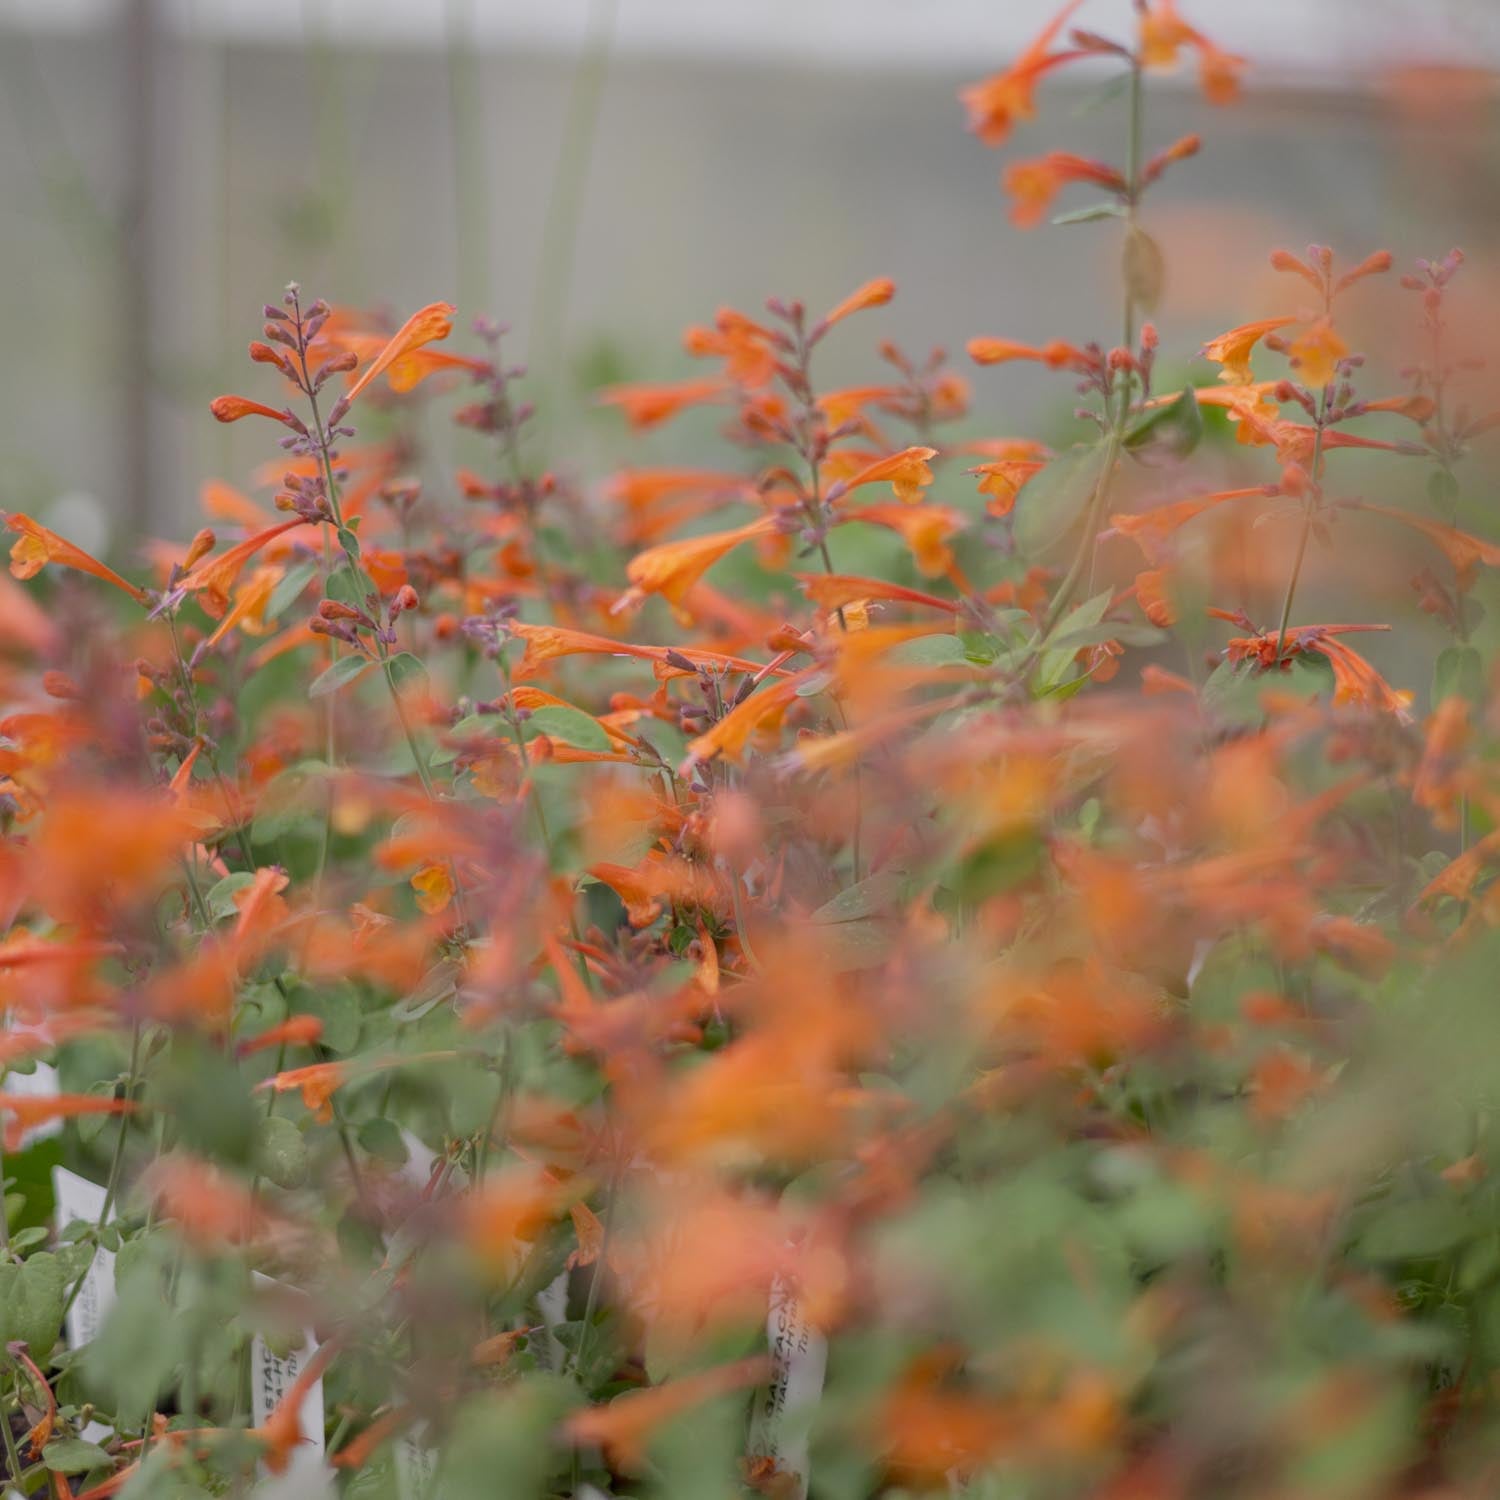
(1051, 503)
(344, 671)
(570, 725)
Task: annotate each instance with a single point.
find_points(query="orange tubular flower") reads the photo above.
(316, 1084)
(28, 1111)
(1164, 33)
(1003, 480)
(1150, 529)
(1033, 184)
(1231, 351)
(907, 472)
(1356, 681)
(1316, 351)
(232, 408)
(674, 567)
(925, 530)
(214, 576)
(249, 611)
(296, 1031)
(995, 103)
(1151, 595)
(835, 590)
(1463, 551)
(433, 885)
(36, 546)
(732, 733)
(874, 293)
(647, 406)
(433, 322)
(1057, 355)
(745, 347)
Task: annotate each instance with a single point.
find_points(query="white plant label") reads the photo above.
(272, 1375)
(552, 1304)
(78, 1198)
(416, 1466)
(41, 1084)
(784, 1407)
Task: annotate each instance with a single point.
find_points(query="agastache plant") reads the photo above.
(903, 959)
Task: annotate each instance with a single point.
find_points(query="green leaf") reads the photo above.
(1170, 431)
(1415, 1229)
(1078, 622)
(335, 1005)
(469, 729)
(866, 898)
(382, 1139)
(570, 725)
(35, 1310)
(1458, 672)
(345, 587)
(1232, 693)
(281, 1152)
(1090, 214)
(289, 589)
(931, 651)
(405, 669)
(1051, 504)
(349, 542)
(340, 674)
(286, 799)
(220, 899)
(208, 1100)
(74, 1456)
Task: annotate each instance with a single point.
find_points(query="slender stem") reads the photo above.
(1087, 541)
(12, 1457)
(1309, 509)
(1117, 404)
(112, 1183)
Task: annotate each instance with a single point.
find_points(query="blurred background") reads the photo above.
(599, 173)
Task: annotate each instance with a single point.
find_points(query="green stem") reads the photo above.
(1309, 509)
(12, 1456)
(112, 1183)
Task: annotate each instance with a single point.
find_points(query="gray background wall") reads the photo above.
(139, 244)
